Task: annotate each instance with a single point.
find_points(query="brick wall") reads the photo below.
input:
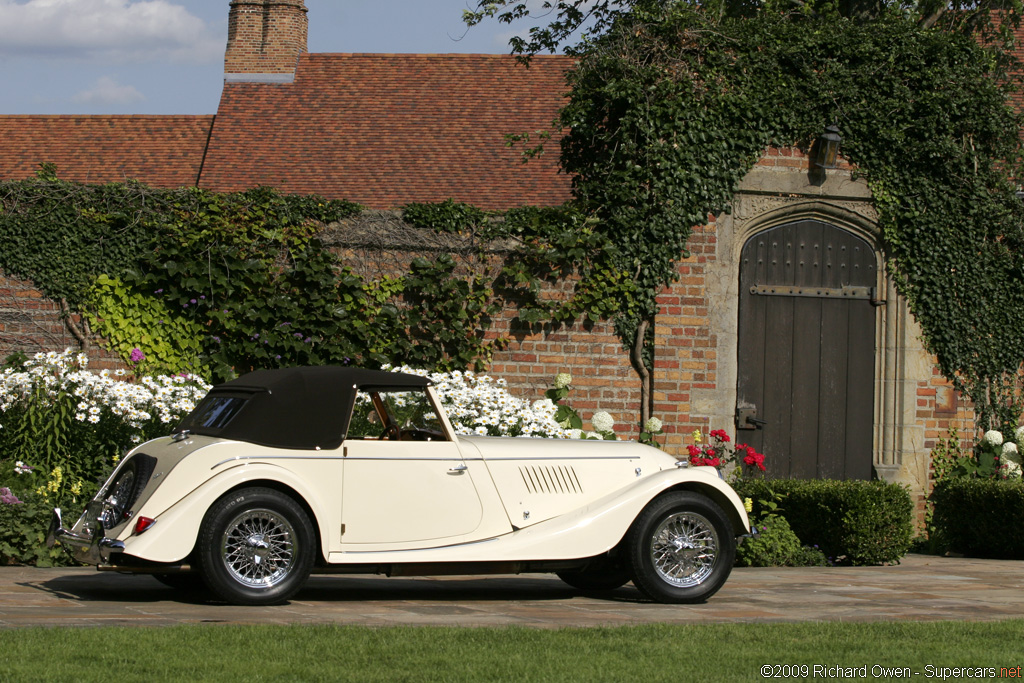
(30, 322)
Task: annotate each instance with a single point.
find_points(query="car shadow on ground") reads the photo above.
(137, 589)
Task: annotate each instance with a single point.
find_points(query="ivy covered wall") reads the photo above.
(694, 360)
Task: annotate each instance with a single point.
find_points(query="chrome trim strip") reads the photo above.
(564, 457)
(397, 458)
(278, 457)
(406, 550)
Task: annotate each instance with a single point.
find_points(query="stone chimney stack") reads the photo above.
(265, 39)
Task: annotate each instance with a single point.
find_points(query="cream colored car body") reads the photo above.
(469, 499)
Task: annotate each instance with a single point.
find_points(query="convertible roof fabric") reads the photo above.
(302, 408)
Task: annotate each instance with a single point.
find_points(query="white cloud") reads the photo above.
(107, 91)
(120, 31)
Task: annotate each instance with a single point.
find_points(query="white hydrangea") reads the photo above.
(562, 380)
(653, 425)
(1018, 434)
(1009, 454)
(993, 438)
(482, 405)
(602, 421)
(1012, 470)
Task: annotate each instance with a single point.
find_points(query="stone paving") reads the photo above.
(921, 588)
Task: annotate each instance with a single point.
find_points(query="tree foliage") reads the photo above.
(574, 24)
(671, 104)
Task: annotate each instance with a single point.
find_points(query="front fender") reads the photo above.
(174, 535)
(599, 527)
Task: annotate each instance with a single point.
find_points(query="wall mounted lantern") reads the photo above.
(828, 148)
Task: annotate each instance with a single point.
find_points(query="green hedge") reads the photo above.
(980, 517)
(852, 522)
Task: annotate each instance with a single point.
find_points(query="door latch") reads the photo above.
(746, 418)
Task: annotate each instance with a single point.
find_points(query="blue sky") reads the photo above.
(166, 56)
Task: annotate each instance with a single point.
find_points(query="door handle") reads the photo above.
(458, 469)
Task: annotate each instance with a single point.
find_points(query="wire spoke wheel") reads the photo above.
(684, 548)
(681, 548)
(115, 505)
(257, 547)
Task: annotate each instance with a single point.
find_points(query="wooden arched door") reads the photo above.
(806, 347)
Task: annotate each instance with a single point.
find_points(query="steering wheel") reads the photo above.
(391, 433)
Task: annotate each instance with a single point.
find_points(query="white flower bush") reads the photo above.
(67, 426)
(481, 405)
(46, 376)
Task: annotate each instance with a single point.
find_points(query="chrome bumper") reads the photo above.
(84, 541)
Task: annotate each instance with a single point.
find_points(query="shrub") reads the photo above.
(853, 522)
(777, 546)
(24, 520)
(980, 517)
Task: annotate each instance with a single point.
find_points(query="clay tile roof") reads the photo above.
(162, 151)
(384, 130)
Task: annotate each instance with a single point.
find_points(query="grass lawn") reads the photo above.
(717, 652)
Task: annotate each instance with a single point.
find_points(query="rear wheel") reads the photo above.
(681, 548)
(255, 547)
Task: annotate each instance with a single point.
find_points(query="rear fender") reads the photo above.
(174, 535)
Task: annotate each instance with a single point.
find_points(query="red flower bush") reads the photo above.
(718, 453)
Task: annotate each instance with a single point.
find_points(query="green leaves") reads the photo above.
(448, 216)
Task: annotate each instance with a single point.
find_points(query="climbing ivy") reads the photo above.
(128, 320)
(221, 284)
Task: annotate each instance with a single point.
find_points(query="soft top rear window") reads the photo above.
(216, 412)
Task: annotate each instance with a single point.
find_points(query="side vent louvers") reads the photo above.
(550, 479)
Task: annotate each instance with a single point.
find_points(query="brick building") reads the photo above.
(784, 327)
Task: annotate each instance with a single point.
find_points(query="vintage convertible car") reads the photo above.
(283, 473)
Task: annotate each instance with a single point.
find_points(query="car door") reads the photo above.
(405, 482)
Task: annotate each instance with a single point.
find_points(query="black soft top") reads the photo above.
(305, 407)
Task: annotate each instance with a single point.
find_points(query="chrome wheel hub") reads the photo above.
(258, 548)
(683, 549)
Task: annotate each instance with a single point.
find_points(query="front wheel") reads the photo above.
(681, 548)
(255, 547)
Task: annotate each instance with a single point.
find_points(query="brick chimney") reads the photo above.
(265, 39)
